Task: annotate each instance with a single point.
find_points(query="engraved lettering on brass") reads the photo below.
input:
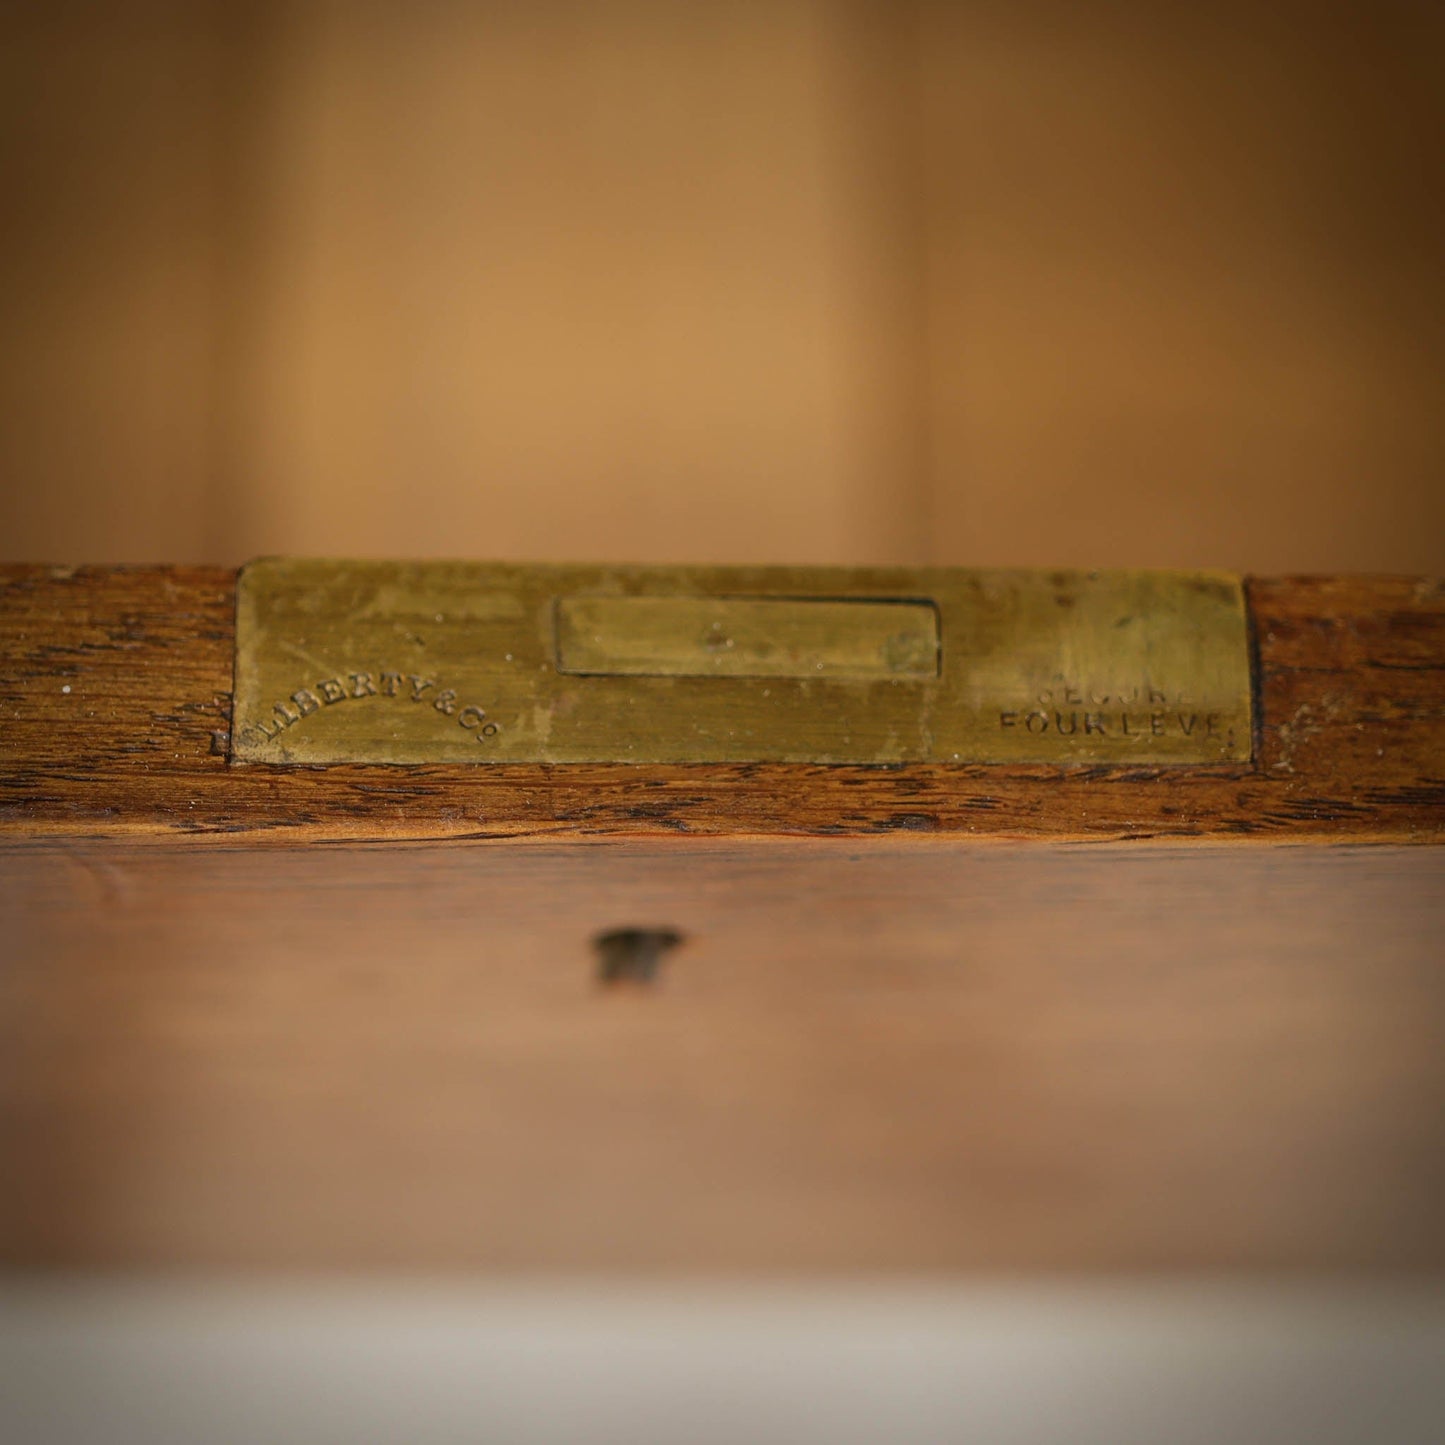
(472, 718)
(1122, 724)
(696, 665)
(1119, 715)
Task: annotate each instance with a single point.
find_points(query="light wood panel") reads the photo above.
(627, 280)
(107, 281)
(973, 283)
(1184, 299)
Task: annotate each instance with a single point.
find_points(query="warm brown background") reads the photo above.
(970, 283)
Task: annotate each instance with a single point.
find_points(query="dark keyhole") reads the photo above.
(632, 955)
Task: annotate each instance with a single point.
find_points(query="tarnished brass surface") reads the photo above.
(429, 662)
(745, 637)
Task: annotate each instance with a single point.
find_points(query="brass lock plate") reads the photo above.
(456, 662)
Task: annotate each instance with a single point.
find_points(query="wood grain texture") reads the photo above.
(913, 1024)
(893, 1054)
(114, 697)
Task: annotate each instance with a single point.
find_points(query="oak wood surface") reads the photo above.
(893, 1054)
(114, 698)
(259, 1017)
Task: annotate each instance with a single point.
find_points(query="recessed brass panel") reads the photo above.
(802, 637)
(437, 662)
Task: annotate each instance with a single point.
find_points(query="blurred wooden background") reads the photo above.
(816, 282)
